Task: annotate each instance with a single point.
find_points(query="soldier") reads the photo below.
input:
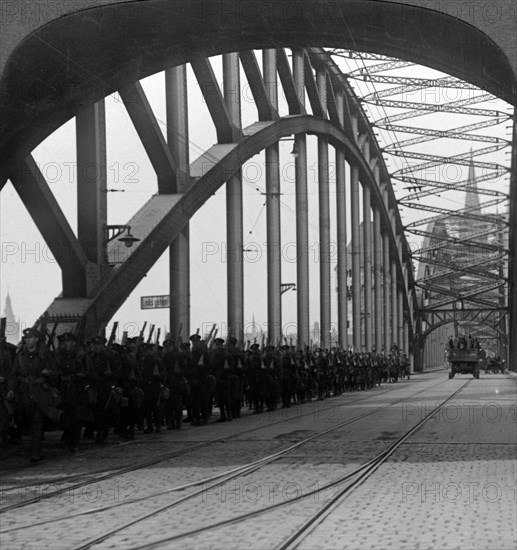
(272, 383)
(31, 381)
(237, 376)
(201, 381)
(154, 395)
(131, 382)
(7, 409)
(462, 342)
(72, 369)
(179, 391)
(287, 376)
(223, 386)
(103, 371)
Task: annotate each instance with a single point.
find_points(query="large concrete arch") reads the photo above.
(53, 60)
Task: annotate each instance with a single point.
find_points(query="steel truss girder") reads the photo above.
(469, 296)
(469, 268)
(439, 108)
(406, 85)
(421, 111)
(460, 186)
(379, 68)
(435, 160)
(437, 318)
(354, 54)
(450, 240)
(446, 214)
(435, 289)
(462, 213)
(430, 134)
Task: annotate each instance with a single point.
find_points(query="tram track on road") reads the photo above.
(214, 481)
(106, 474)
(340, 489)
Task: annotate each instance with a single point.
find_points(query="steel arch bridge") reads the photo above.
(87, 50)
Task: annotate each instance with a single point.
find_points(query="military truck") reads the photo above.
(463, 361)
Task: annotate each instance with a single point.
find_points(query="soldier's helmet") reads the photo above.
(195, 338)
(219, 341)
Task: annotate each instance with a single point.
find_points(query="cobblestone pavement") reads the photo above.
(452, 485)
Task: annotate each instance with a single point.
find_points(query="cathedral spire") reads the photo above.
(12, 331)
(472, 196)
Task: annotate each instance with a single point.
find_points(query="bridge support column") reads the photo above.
(356, 267)
(377, 285)
(179, 251)
(274, 258)
(302, 209)
(234, 207)
(367, 269)
(394, 303)
(386, 290)
(92, 209)
(324, 221)
(342, 267)
(400, 318)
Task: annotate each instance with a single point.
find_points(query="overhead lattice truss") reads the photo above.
(446, 143)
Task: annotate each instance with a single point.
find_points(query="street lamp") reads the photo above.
(114, 231)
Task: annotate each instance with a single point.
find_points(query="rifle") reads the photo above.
(210, 335)
(44, 323)
(78, 330)
(157, 341)
(112, 335)
(3, 324)
(139, 339)
(151, 330)
(52, 335)
(213, 338)
(124, 338)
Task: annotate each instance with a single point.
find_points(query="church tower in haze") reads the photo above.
(12, 329)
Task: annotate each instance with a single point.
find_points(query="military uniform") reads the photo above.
(32, 381)
(72, 369)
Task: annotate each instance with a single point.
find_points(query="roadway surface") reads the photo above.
(254, 482)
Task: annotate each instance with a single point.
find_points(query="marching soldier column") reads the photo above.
(91, 389)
